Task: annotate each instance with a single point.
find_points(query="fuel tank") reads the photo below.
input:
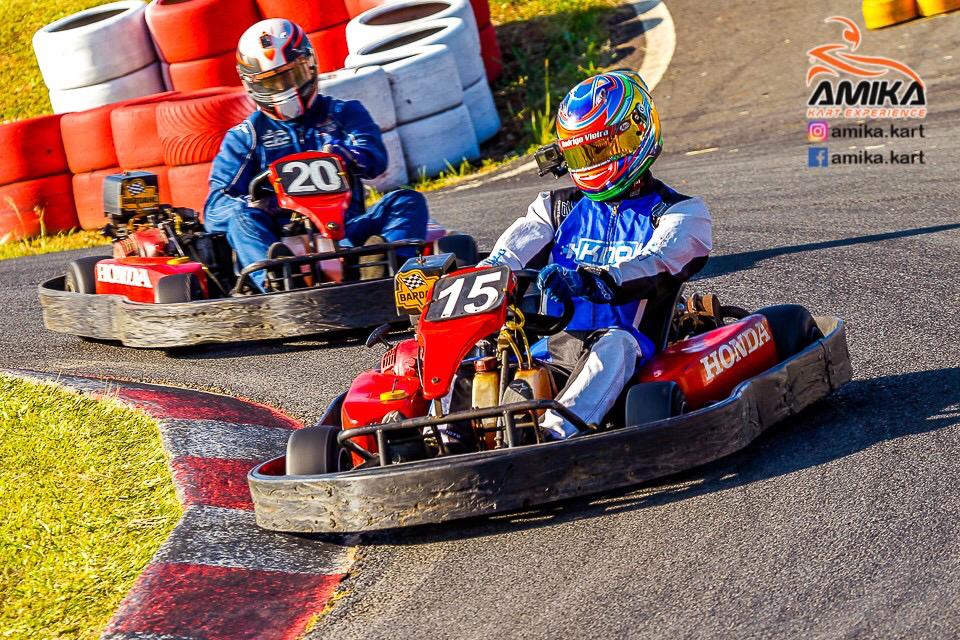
(707, 367)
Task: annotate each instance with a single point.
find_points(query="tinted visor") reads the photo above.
(591, 150)
(265, 86)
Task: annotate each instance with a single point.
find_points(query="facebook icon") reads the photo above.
(817, 157)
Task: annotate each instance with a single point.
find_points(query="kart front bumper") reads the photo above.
(448, 488)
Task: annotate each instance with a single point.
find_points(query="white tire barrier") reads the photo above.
(369, 85)
(93, 46)
(424, 81)
(396, 173)
(374, 24)
(451, 32)
(478, 100)
(139, 83)
(433, 144)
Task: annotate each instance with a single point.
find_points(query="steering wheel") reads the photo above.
(540, 323)
(260, 186)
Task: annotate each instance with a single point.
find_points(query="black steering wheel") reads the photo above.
(541, 324)
(260, 186)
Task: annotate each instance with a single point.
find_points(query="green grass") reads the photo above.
(49, 244)
(86, 501)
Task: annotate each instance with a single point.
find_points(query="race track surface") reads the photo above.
(840, 523)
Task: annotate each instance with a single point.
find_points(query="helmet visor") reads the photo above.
(591, 150)
(266, 86)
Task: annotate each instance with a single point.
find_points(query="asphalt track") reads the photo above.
(840, 523)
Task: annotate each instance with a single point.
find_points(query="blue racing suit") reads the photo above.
(251, 146)
(640, 246)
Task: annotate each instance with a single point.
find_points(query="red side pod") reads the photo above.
(363, 406)
(136, 278)
(708, 367)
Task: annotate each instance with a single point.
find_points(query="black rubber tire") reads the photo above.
(176, 288)
(314, 451)
(652, 401)
(461, 245)
(81, 275)
(793, 328)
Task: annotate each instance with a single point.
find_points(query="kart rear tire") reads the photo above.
(793, 328)
(178, 287)
(652, 401)
(81, 275)
(461, 245)
(315, 451)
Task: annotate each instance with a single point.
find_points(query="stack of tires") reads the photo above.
(98, 56)
(430, 51)
(35, 183)
(197, 39)
(325, 22)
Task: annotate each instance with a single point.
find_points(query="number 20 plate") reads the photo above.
(311, 177)
(470, 294)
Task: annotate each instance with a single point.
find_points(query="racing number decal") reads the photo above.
(322, 175)
(470, 294)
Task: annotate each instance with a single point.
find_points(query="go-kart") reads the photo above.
(381, 458)
(170, 283)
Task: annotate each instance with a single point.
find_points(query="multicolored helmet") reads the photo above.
(609, 133)
(278, 68)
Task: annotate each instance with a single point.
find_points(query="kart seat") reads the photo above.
(658, 316)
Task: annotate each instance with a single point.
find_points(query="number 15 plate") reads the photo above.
(470, 294)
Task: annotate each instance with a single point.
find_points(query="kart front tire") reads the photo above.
(315, 451)
(652, 401)
(81, 275)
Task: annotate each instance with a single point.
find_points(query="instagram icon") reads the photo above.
(818, 131)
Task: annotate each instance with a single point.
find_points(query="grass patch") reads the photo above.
(87, 500)
(48, 244)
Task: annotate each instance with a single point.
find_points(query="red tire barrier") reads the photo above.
(31, 149)
(330, 46)
(219, 71)
(88, 139)
(481, 11)
(22, 204)
(88, 194)
(189, 185)
(193, 29)
(191, 130)
(490, 51)
(356, 7)
(312, 15)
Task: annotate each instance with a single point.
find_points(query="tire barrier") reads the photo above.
(186, 30)
(135, 137)
(330, 47)
(312, 15)
(356, 7)
(82, 49)
(436, 143)
(481, 11)
(145, 81)
(490, 48)
(379, 22)
(883, 13)
(31, 149)
(396, 174)
(191, 131)
(452, 32)
(30, 207)
(218, 71)
(370, 86)
(88, 194)
(483, 111)
(189, 185)
(934, 7)
(88, 139)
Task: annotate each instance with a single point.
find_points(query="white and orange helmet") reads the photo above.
(278, 68)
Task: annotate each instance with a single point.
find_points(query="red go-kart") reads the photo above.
(380, 459)
(170, 283)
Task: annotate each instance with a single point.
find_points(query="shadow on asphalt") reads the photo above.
(334, 340)
(862, 414)
(722, 265)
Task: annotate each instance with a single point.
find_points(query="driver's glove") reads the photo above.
(560, 284)
(340, 150)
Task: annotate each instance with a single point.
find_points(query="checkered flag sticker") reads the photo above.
(136, 187)
(414, 281)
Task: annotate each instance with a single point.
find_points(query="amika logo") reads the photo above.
(122, 274)
(734, 350)
(876, 87)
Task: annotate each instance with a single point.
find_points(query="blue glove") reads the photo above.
(337, 148)
(561, 284)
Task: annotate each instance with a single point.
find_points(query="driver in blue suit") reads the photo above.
(278, 68)
(618, 240)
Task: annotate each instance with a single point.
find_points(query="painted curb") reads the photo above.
(218, 576)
